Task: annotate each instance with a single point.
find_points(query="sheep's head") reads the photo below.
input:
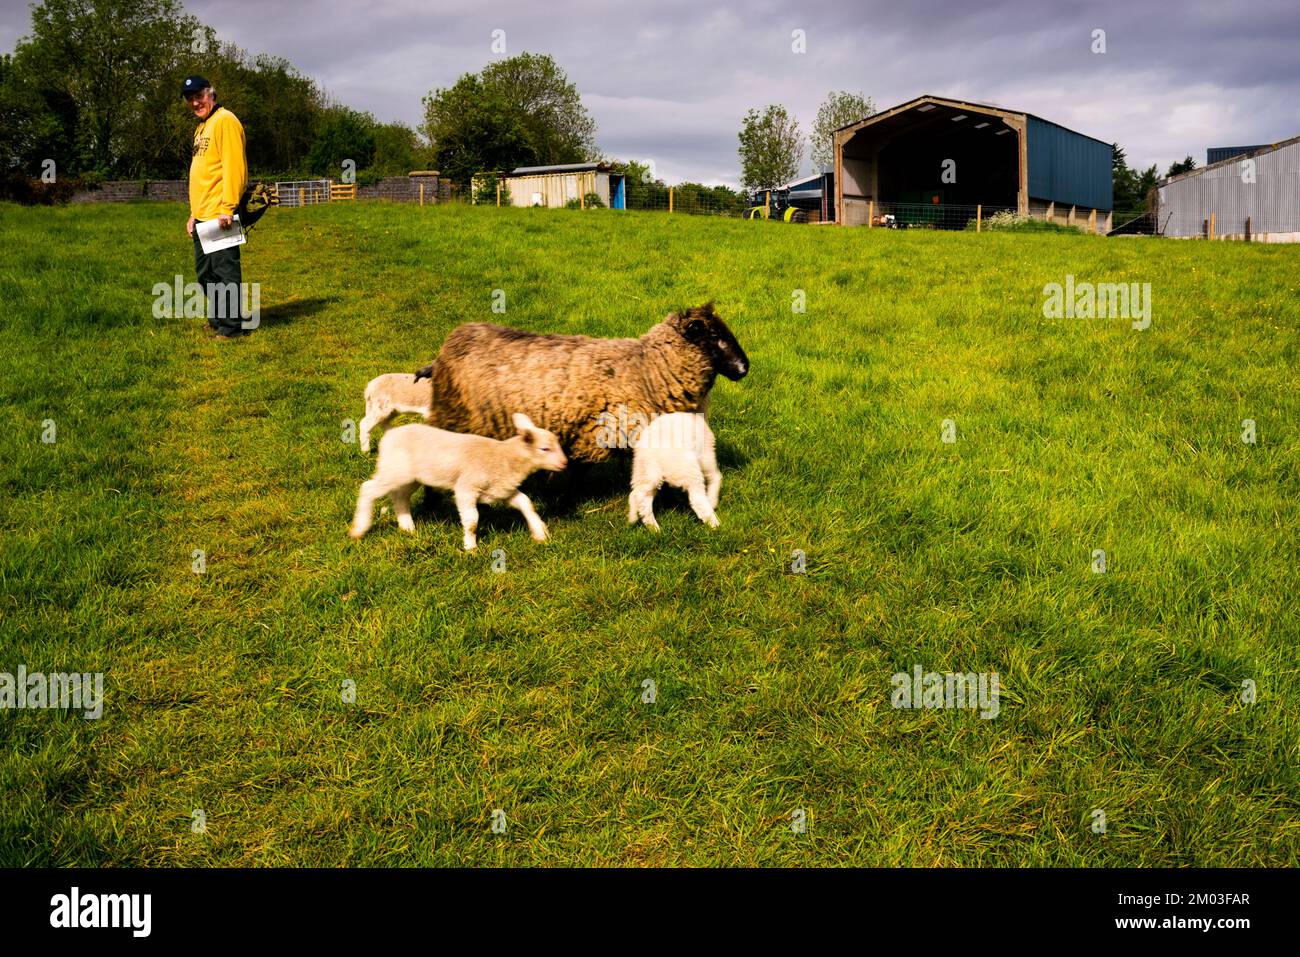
(542, 445)
(703, 328)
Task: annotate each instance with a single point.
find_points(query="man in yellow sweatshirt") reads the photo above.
(218, 176)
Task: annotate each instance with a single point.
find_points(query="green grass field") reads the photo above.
(522, 690)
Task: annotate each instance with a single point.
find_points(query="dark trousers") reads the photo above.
(225, 301)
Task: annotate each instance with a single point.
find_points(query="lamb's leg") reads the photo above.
(375, 416)
(700, 503)
(633, 508)
(401, 499)
(712, 476)
(467, 505)
(646, 506)
(371, 490)
(535, 525)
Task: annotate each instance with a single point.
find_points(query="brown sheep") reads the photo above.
(587, 391)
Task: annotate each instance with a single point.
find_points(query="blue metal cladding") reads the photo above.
(1067, 167)
(1217, 154)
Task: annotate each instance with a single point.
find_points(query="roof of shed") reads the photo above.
(1258, 151)
(565, 168)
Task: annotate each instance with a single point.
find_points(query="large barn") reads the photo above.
(1001, 159)
(1253, 195)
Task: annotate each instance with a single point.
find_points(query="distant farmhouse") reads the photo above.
(999, 159)
(1250, 193)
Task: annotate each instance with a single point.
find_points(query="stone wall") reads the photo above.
(406, 189)
(120, 191)
(398, 188)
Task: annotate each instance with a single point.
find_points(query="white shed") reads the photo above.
(555, 186)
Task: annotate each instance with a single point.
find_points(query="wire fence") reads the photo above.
(768, 205)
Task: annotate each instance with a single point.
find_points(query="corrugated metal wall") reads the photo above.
(1272, 201)
(555, 189)
(1065, 167)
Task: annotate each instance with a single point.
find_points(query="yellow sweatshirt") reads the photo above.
(218, 172)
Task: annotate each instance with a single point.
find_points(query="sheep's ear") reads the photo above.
(522, 423)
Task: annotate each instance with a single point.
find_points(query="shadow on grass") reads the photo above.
(295, 309)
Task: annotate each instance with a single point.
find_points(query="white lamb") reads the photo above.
(388, 395)
(475, 469)
(677, 449)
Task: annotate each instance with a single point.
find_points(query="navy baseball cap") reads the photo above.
(194, 84)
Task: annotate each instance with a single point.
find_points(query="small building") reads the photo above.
(1253, 195)
(942, 152)
(815, 196)
(556, 186)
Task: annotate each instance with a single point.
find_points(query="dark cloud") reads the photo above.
(670, 79)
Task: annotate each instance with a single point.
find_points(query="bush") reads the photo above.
(18, 187)
(591, 200)
(1008, 221)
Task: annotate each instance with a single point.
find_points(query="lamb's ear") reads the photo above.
(523, 424)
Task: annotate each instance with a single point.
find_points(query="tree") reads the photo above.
(100, 66)
(520, 111)
(282, 109)
(1130, 188)
(547, 105)
(472, 130)
(838, 109)
(1186, 166)
(398, 150)
(344, 135)
(771, 148)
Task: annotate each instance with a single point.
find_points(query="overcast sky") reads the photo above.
(669, 80)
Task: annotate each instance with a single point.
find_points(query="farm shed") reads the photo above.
(556, 185)
(815, 195)
(1001, 158)
(1254, 196)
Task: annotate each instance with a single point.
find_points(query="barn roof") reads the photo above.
(927, 99)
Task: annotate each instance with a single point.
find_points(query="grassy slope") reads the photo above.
(521, 690)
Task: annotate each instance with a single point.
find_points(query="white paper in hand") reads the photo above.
(212, 237)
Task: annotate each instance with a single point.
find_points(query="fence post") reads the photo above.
(582, 201)
(302, 196)
(979, 216)
(421, 194)
(1211, 224)
(670, 199)
(498, 194)
(767, 205)
(1092, 222)
(1247, 229)
(871, 213)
